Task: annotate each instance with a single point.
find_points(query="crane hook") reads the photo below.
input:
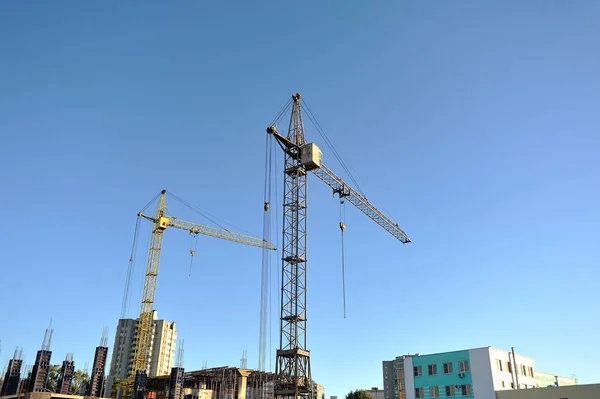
(193, 246)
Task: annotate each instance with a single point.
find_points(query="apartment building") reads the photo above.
(163, 339)
(318, 391)
(472, 373)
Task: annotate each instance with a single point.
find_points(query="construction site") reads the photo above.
(144, 363)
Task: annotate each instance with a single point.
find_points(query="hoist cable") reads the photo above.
(131, 267)
(194, 245)
(321, 131)
(342, 228)
(329, 143)
(151, 202)
(281, 112)
(278, 278)
(266, 258)
(208, 216)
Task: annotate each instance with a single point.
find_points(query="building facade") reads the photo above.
(318, 391)
(376, 393)
(472, 373)
(590, 391)
(161, 357)
(543, 380)
(394, 378)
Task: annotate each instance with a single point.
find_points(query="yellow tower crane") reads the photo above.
(161, 222)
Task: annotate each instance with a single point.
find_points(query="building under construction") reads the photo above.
(215, 383)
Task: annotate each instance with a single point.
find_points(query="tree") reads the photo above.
(53, 377)
(80, 379)
(358, 394)
(115, 387)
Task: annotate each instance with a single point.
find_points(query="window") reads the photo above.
(434, 392)
(466, 390)
(509, 367)
(530, 371)
(447, 368)
(523, 369)
(419, 393)
(512, 385)
(499, 364)
(463, 366)
(432, 369)
(418, 371)
(449, 390)
(502, 384)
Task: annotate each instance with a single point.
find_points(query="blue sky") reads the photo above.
(474, 125)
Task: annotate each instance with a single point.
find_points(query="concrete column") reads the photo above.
(242, 382)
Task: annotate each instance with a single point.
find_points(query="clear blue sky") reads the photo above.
(474, 125)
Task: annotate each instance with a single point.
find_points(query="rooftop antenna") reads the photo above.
(179, 356)
(48, 337)
(104, 339)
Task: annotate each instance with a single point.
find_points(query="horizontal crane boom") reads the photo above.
(341, 188)
(344, 190)
(197, 228)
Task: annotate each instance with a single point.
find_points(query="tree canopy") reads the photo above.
(79, 378)
(53, 377)
(115, 387)
(358, 394)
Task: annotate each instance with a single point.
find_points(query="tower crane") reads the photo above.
(161, 221)
(292, 367)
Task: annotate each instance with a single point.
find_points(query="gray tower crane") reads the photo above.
(292, 367)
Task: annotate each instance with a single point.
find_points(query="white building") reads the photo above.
(318, 391)
(506, 372)
(376, 393)
(544, 380)
(163, 339)
(472, 373)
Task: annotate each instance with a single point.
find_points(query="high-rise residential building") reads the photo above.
(393, 379)
(161, 357)
(470, 373)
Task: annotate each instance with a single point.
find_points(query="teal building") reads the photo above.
(472, 373)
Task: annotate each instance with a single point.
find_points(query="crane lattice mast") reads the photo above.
(292, 364)
(292, 367)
